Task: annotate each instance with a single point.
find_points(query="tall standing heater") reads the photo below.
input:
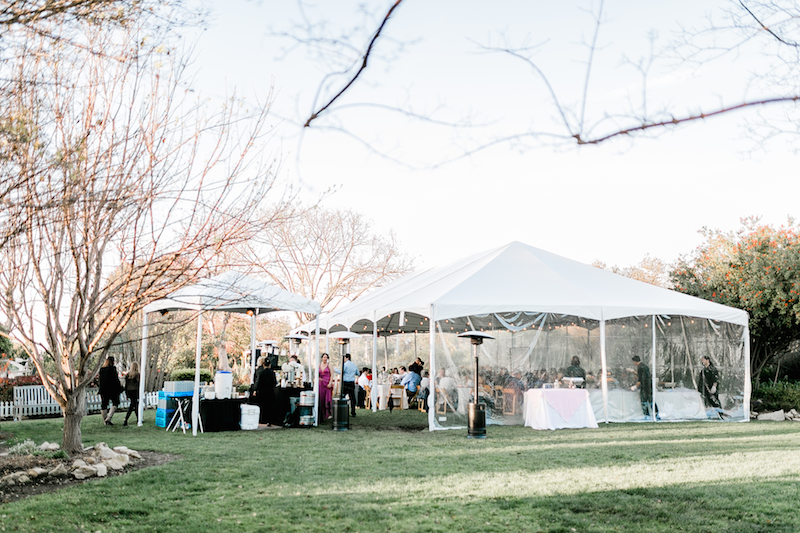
(341, 413)
(477, 411)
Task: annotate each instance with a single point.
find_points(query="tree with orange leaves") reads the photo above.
(756, 268)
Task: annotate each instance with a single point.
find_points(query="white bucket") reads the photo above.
(223, 384)
(306, 398)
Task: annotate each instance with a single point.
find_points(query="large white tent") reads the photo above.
(519, 278)
(230, 292)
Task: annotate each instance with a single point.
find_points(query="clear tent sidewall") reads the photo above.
(670, 346)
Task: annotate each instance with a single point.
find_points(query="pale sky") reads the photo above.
(614, 202)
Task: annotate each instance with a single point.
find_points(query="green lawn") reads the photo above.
(388, 475)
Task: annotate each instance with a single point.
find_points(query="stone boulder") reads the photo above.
(85, 471)
(777, 416)
(59, 470)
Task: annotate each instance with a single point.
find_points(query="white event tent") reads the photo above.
(515, 288)
(230, 292)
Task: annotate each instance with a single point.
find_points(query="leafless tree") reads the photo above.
(769, 28)
(650, 270)
(328, 255)
(126, 188)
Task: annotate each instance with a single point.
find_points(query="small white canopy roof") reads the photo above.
(230, 292)
(518, 277)
(235, 293)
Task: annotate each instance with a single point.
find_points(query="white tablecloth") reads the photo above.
(623, 405)
(626, 406)
(680, 404)
(558, 409)
(383, 398)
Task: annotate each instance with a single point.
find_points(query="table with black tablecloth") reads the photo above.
(283, 398)
(221, 415)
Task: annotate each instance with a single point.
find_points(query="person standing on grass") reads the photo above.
(349, 382)
(132, 391)
(708, 383)
(645, 387)
(364, 383)
(325, 387)
(109, 390)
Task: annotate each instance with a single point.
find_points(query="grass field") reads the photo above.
(389, 474)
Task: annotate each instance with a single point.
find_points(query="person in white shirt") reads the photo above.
(363, 383)
(299, 370)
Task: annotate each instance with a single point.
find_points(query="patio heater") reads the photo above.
(477, 412)
(341, 413)
(298, 339)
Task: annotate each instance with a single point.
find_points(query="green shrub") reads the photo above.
(187, 374)
(782, 395)
(28, 447)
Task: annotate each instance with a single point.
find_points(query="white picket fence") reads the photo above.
(34, 400)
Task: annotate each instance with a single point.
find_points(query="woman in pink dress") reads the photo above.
(325, 388)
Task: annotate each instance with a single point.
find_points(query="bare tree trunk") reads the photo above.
(74, 412)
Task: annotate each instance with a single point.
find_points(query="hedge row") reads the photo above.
(781, 395)
(187, 374)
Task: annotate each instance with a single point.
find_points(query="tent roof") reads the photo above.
(518, 277)
(235, 293)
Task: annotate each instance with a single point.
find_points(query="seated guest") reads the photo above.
(424, 389)
(410, 382)
(383, 376)
(394, 378)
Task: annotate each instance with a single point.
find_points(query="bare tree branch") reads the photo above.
(690, 118)
(363, 66)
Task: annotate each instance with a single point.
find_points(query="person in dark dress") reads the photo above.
(110, 389)
(265, 392)
(708, 384)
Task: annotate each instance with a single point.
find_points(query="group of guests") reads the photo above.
(111, 385)
(357, 384)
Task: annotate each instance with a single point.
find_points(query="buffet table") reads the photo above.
(623, 405)
(558, 409)
(680, 404)
(626, 406)
(284, 399)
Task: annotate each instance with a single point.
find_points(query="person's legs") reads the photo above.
(114, 405)
(103, 408)
(132, 408)
(349, 390)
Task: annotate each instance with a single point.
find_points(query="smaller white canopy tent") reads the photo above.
(230, 292)
(512, 278)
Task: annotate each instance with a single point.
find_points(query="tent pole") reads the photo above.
(653, 373)
(196, 395)
(432, 382)
(604, 368)
(747, 384)
(316, 372)
(373, 394)
(142, 399)
(253, 346)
